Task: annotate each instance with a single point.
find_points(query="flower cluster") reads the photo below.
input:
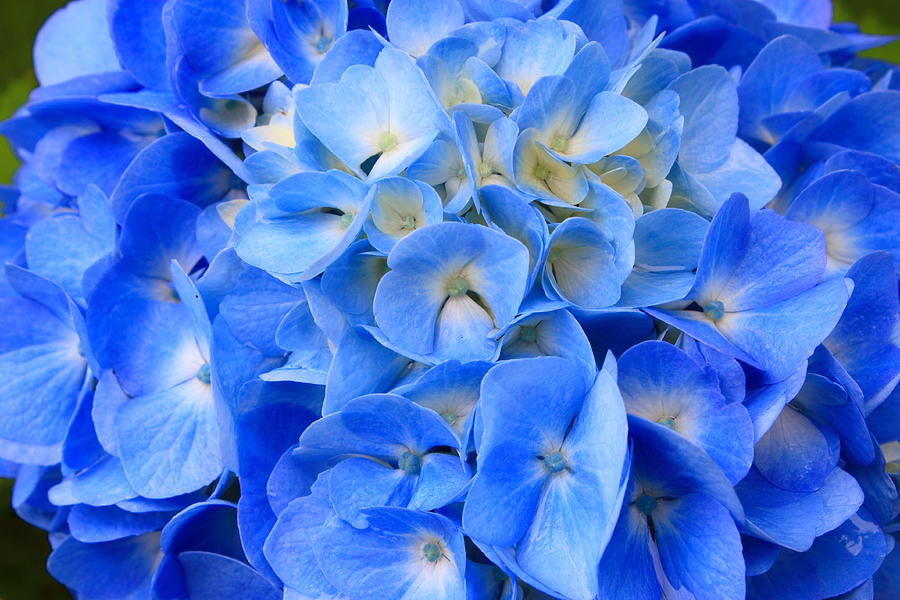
(455, 300)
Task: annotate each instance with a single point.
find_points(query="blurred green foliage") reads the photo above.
(23, 553)
(23, 549)
(875, 17)
(20, 23)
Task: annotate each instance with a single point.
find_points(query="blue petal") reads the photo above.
(845, 557)
(378, 425)
(831, 405)
(601, 22)
(709, 104)
(533, 50)
(573, 522)
(764, 402)
(596, 137)
(414, 25)
(867, 123)
(360, 47)
(190, 297)
(540, 174)
(43, 374)
(156, 351)
(103, 484)
(699, 547)
(794, 519)
(208, 526)
(81, 448)
(675, 467)
(877, 169)
(265, 427)
(388, 558)
(780, 261)
(662, 384)
(301, 238)
(289, 547)
(256, 306)
(816, 13)
(351, 280)
(298, 35)
(555, 333)
(137, 29)
(450, 389)
(399, 207)
(175, 164)
(794, 454)
(266, 424)
(443, 480)
(504, 495)
(855, 216)
(127, 564)
(510, 473)
(75, 41)
(744, 171)
(764, 88)
(667, 249)
(208, 576)
(169, 441)
(511, 212)
(726, 243)
(359, 483)
(615, 330)
(491, 264)
(96, 158)
(216, 39)
(394, 86)
(156, 230)
(91, 524)
(361, 366)
(580, 265)
(627, 570)
(860, 339)
(548, 107)
(793, 327)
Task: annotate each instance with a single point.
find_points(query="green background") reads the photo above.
(23, 550)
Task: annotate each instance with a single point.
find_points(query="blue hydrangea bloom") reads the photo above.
(469, 280)
(751, 292)
(539, 473)
(455, 300)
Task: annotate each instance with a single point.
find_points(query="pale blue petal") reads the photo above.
(795, 454)
(573, 522)
(387, 559)
(533, 50)
(611, 122)
(359, 483)
(699, 547)
(414, 25)
(673, 466)
(209, 576)
(580, 265)
(504, 495)
(709, 104)
(443, 479)
(289, 546)
(793, 328)
(74, 41)
(361, 365)
(169, 442)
